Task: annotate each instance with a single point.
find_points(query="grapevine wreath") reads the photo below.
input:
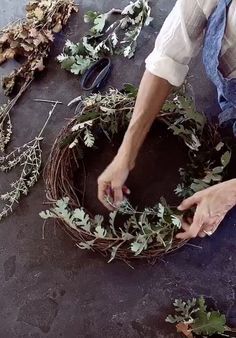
(128, 232)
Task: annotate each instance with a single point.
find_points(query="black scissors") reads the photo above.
(95, 77)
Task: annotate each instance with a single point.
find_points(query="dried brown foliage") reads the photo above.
(31, 39)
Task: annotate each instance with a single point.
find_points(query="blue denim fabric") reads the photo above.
(211, 53)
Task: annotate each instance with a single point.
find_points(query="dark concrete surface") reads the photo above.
(49, 288)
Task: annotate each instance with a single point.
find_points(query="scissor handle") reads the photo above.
(105, 65)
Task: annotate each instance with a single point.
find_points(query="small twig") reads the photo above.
(229, 329)
(47, 101)
(114, 11)
(117, 24)
(49, 116)
(10, 24)
(16, 98)
(75, 100)
(165, 114)
(194, 246)
(85, 183)
(43, 229)
(129, 265)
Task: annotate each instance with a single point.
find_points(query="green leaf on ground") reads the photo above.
(208, 323)
(225, 158)
(90, 16)
(99, 23)
(130, 89)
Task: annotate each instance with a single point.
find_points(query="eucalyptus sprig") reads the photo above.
(119, 38)
(209, 154)
(28, 158)
(109, 112)
(153, 225)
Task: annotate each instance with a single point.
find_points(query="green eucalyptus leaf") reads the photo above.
(198, 185)
(113, 253)
(90, 16)
(98, 220)
(81, 65)
(82, 219)
(99, 23)
(46, 214)
(219, 146)
(130, 89)
(112, 217)
(68, 63)
(176, 221)
(225, 158)
(86, 245)
(89, 139)
(217, 170)
(100, 232)
(138, 246)
(161, 210)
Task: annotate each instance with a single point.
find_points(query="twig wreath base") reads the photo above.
(148, 233)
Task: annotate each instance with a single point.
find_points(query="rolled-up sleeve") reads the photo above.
(179, 40)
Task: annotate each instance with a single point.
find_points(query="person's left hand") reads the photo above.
(212, 204)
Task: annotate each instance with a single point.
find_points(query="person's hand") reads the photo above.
(111, 184)
(212, 204)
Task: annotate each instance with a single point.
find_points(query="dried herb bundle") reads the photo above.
(103, 39)
(31, 39)
(193, 319)
(5, 119)
(144, 233)
(28, 157)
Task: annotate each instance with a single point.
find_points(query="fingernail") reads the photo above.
(179, 207)
(117, 204)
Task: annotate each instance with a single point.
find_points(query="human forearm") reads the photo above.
(152, 94)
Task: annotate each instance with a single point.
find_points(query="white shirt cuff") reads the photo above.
(166, 68)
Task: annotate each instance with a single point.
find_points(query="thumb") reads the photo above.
(188, 203)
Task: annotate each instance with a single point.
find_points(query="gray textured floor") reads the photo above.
(49, 288)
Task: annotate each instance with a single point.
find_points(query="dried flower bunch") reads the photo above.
(104, 38)
(194, 319)
(145, 233)
(31, 40)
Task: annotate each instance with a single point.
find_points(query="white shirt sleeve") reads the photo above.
(179, 40)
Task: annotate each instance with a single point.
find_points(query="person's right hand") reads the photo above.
(111, 184)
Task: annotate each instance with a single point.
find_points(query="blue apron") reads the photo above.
(227, 118)
(211, 54)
